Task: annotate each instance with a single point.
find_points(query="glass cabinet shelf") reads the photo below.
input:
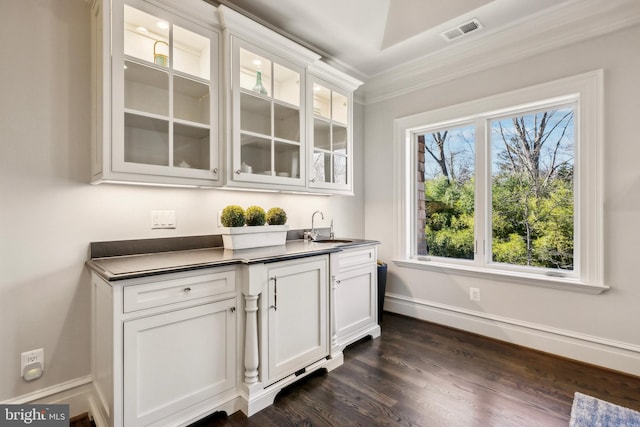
(191, 100)
(191, 146)
(146, 140)
(146, 88)
(255, 114)
(156, 40)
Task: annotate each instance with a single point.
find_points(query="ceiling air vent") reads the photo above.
(461, 30)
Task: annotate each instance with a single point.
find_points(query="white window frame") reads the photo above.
(586, 92)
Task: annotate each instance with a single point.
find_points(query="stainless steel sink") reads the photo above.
(333, 241)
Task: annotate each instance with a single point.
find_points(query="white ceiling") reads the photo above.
(371, 37)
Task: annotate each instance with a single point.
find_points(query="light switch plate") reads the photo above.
(163, 219)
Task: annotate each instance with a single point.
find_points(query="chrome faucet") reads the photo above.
(313, 234)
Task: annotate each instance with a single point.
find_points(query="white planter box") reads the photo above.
(253, 237)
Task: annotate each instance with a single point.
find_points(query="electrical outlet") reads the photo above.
(474, 294)
(32, 364)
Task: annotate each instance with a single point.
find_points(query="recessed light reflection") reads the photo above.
(162, 24)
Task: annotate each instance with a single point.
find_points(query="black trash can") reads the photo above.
(382, 286)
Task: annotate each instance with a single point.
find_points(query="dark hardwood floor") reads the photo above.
(422, 374)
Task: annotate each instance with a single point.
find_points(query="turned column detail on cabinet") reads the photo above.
(157, 102)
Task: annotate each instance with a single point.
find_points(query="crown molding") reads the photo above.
(334, 75)
(237, 24)
(552, 28)
(196, 11)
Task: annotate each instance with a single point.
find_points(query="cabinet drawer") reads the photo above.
(354, 258)
(165, 292)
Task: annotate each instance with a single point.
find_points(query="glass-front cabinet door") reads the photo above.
(268, 120)
(164, 94)
(331, 154)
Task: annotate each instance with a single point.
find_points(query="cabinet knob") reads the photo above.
(312, 180)
(238, 172)
(232, 309)
(187, 290)
(337, 282)
(215, 171)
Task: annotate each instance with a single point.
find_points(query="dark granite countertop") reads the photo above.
(141, 258)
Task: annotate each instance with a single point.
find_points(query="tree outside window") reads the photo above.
(506, 187)
(532, 189)
(530, 212)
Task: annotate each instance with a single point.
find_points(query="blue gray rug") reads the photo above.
(588, 411)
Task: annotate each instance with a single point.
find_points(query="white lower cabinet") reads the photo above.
(177, 359)
(169, 349)
(164, 348)
(298, 332)
(287, 326)
(354, 297)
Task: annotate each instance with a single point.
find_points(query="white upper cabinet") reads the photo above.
(266, 92)
(268, 118)
(330, 100)
(185, 93)
(158, 100)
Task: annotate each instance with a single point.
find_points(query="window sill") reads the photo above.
(566, 284)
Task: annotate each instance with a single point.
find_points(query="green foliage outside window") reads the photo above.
(449, 227)
(532, 195)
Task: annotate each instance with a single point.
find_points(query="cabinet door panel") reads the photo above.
(298, 321)
(177, 359)
(331, 156)
(163, 97)
(268, 117)
(355, 300)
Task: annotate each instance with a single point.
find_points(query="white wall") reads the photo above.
(48, 211)
(600, 329)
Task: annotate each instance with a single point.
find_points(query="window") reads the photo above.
(507, 186)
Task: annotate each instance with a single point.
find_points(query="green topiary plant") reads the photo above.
(276, 216)
(254, 215)
(232, 216)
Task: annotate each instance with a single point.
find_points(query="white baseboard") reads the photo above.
(75, 393)
(95, 412)
(611, 354)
